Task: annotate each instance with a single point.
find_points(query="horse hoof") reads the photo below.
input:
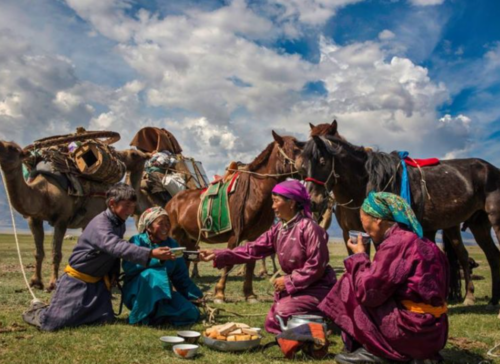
(219, 301)
(252, 300)
(35, 283)
(469, 302)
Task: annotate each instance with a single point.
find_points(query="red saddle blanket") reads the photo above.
(421, 162)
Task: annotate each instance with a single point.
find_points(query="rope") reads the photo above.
(490, 352)
(35, 299)
(263, 174)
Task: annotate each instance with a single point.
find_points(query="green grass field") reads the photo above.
(473, 330)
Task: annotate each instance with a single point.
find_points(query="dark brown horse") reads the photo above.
(348, 219)
(250, 205)
(456, 190)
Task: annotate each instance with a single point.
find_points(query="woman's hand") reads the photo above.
(198, 301)
(359, 247)
(207, 255)
(162, 253)
(279, 284)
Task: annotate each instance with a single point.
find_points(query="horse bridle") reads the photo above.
(328, 193)
(291, 162)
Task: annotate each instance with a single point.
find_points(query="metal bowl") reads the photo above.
(221, 345)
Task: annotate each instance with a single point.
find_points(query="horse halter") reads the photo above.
(327, 192)
(288, 160)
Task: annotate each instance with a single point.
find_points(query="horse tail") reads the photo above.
(238, 203)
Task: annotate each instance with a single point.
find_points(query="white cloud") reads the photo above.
(215, 65)
(224, 87)
(36, 98)
(386, 35)
(426, 2)
(312, 12)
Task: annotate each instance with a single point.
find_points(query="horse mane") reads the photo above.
(383, 172)
(334, 144)
(324, 130)
(261, 158)
(321, 130)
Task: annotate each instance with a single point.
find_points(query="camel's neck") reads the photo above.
(135, 177)
(26, 199)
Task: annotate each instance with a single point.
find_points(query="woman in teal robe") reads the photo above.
(163, 292)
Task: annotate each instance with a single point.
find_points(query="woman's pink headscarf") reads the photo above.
(296, 191)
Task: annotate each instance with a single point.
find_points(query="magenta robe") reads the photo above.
(366, 302)
(302, 251)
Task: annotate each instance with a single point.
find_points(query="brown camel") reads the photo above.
(250, 205)
(348, 219)
(44, 200)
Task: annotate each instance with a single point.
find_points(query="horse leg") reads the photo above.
(481, 229)
(57, 242)
(273, 260)
(36, 227)
(240, 272)
(248, 284)
(220, 287)
(195, 273)
(455, 238)
(326, 219)
(263, 270)
(345, 235)
(454, 289)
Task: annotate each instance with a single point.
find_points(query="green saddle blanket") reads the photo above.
(215, 214)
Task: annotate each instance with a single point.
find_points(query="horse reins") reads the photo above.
(272, 175)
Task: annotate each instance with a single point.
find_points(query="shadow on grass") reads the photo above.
(461, 356)
(482, 309)
(214, 279)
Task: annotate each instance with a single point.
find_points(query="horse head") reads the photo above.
(288, 149)
(325, 129)
(318, 165)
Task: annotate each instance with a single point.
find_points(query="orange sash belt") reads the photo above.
(437, 312)
(85, 277)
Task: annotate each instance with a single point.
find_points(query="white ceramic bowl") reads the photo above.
(185, 351)
(191, 337)
(169, 341)
(353, 234)
(178, 252)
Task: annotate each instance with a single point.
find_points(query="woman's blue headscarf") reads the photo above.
(388, 206)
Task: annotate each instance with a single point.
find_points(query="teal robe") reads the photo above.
(149, 292)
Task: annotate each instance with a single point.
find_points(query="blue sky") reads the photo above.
(420, 75)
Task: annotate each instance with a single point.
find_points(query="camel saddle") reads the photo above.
(152, 139)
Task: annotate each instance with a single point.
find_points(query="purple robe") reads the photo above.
(302, 251)
(366, 302)
(97, 253)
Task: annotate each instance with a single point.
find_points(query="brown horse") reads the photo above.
(456, 190)
(348, 219)
(250, 205)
